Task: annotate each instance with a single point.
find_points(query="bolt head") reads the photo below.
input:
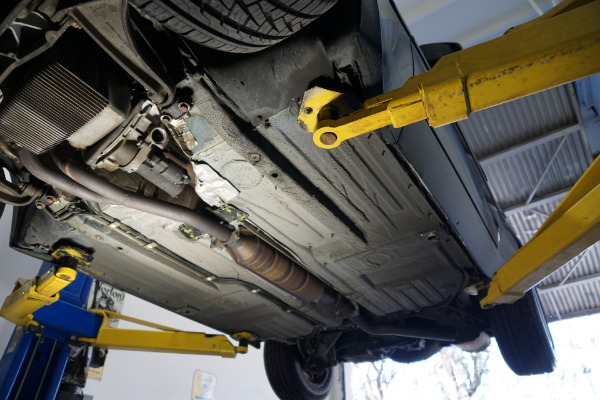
(328, 138)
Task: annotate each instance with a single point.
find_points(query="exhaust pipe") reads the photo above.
(249, 251)
(391, 329)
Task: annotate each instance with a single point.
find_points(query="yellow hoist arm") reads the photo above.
(29, 296)
(164, 339)
(560, 46)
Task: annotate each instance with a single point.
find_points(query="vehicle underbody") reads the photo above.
(367, 251)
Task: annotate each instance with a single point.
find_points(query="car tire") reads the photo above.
(242, 26)
(287, 378)
(522, 334)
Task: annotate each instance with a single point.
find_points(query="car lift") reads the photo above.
(558, 47)
(50, 309)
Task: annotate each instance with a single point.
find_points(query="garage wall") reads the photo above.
(145, 375)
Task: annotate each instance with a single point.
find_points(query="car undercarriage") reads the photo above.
(176, 160)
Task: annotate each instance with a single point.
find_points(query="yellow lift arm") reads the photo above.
(29, 296)
(165, 339)
(558, 47)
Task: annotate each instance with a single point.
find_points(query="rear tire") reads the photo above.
(522, 334)
(241, 26)
(287, 378)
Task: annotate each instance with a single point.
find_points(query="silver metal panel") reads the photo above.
(574, 300)
(574, 289)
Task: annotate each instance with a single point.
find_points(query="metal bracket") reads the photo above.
(558, 47)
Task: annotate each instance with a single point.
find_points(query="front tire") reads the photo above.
(242, 26)
(287, 378)
(522, 334)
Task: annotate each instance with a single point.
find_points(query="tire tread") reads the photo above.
(522, 334)
(236, 26)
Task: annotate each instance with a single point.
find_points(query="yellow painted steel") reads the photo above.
(165, 339)
(559, 47)
(77, 257)
(29, 296)
(570, 229)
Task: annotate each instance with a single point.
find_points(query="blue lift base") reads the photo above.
(33, 363)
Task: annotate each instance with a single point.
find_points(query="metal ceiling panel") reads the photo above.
(513, 179)
(495, 129)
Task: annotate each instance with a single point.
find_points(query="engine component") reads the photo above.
(58, 180)
(164, 173)
(142, 203)
(56, 105)
(107, 193)
(183, 136)
(252, 253)
(137, 147)
(247, 250)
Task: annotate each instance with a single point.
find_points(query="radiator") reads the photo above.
(48, 109)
